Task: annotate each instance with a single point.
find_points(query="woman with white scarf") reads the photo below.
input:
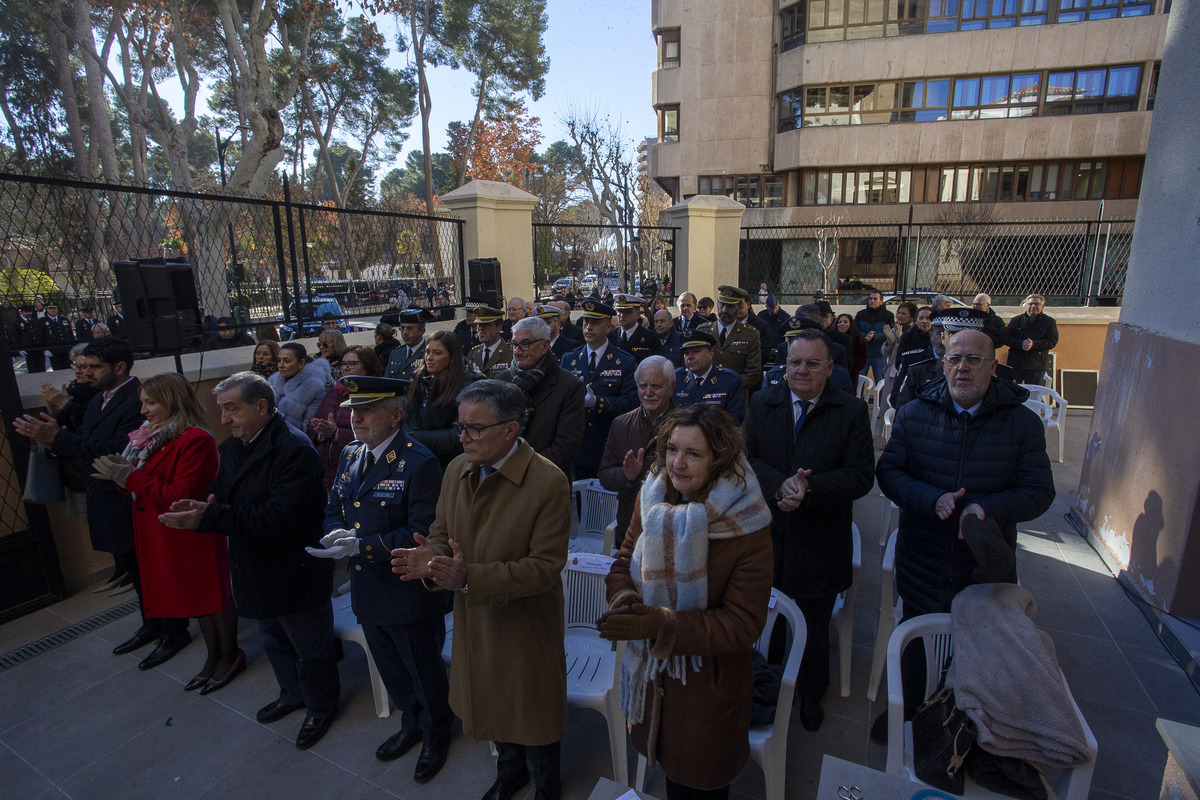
(689, 593)
(171, 457)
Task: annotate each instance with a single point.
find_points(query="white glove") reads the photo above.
(345, 547)
(334, 535)
(589, 398)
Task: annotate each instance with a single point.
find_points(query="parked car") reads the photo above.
(589, 282)
(312, 311)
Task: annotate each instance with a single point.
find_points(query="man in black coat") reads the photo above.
(25, 338)
(993, 326)
(110, 417)
(811, 447)
(116, 322)
(269, 500)
(55, 335)
(83, 325)
(1030, 337)
(629, 335)
(386, 492)
(966, 445)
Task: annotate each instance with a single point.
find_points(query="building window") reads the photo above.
(792, 25)
(1023, 94)
(668, 49)
(1152, 89)
(668, 124)
(1080, 10)
(1118, 178)
(752, 191)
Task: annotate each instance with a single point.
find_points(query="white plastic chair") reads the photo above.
(346, 627)
(865, 385)
(843, 614)
(768, 743)
(890, 612)
(1057, 416)
(598, 507)
(935, 629)
(593, 665)
(882, 405)
(889, 417)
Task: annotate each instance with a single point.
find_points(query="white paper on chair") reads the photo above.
(590, 562)
(630, 795)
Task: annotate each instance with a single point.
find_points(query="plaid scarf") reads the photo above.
(669, 566)
(145, 441)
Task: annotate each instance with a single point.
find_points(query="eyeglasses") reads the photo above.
(473, 432)
(323, 345)
(972, 361)
(811, 364)
(348, 363)
(525, 344)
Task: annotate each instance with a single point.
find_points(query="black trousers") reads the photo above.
(300, 647)
(813, 680)
(544, 761)
(409, 659)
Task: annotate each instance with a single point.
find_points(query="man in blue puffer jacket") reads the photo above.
(967, 445)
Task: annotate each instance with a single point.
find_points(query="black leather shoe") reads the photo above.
(811, 715)
(431, 760)
(165, 650)
(879, 733)
(141, 637)
(398, 745)
(311, 731)
(273, 712)
(505, 790)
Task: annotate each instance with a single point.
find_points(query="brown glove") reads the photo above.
(642, 623)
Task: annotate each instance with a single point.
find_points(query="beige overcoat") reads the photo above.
(508, 674)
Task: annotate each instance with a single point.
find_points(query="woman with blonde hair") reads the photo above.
(173, 457)
(331, 344)
(689, 593)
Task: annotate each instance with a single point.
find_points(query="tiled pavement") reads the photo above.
(81, 723)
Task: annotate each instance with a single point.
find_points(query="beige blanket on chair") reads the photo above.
(1006, 678)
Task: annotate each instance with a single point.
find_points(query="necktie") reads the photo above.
(592, 364)
(802, 412)
(368, 464)
(965, 416)
(485, 470)
(486, 356)
(721, 337)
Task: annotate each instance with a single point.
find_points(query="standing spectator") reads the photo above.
(68, 406)
(739, 347)
(993, 326)
(492, 355)
(84, 325)
(554, 423)
(689, 594)
(607, 375)
(914, 347)
(267, 500)
(402, 300)
(385, 342)
(298, 385)
(870, 322)
(569, 329)
(705, 309)
(774, 318)
(763, 292)
(55, 335)
(515, 312)
(28, 338)
(629, 335)
(172, 457)
(403, 624)
(688, 317)
(266, 332)
(964, 446)
(8, 318)
(330, 427)
(329, 322)
(1029, 336)
(701, 382)
(392, 315)
(560, 343)
(465, 329)
(669, 340)
(100, 330)
(332, 344)
(810, 445)
(404, 360)
(629, 450)
(228, 336)
(116, 321)
(499, 543)
(266, 358)
(746, 316)
(433, 397)
(858, 346)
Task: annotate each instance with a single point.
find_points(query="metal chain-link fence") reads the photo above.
(624, 258)
(1070, 262)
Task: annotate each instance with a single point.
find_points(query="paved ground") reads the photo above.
(79, 722)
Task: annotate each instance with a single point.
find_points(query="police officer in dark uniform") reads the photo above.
(701, 381)
(384, 497)
(55, 335)
(609, 384)
(629, 335)
(25, 337)
(915, 376)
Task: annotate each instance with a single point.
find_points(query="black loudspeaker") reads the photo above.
(159, 300)
(483, 281)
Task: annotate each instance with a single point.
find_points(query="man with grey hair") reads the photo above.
(569, 329)
(993, 326)
(1030, 337)
(629, 450)
(514, 313)
(499, 542)
(269, 500)
(941, 301)
(688, 318)
(555, 425)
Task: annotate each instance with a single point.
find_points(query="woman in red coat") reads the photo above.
(184, 573)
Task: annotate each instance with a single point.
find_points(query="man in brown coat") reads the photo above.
(555, 425)
(499, 541)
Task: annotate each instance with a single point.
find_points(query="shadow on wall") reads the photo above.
(1144, 563)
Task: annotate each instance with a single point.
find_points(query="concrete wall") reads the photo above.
(499, 224)
(1139, 489)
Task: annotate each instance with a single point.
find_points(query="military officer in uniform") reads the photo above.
(560, 342)
(55, 335)
(701, 381)
(739, 347)
(610, 388)
(492, 355)
(629, 335)
(404, 360)
(386, 490)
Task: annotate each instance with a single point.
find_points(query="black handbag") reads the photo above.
(942, 737)
(43, 481)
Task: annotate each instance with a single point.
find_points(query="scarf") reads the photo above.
(669, 566)
(145, 441)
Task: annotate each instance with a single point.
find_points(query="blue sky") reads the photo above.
(601, 57)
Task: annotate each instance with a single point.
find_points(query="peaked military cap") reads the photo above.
(792, 328)
(548, 312)
(625, 302)
(732, 294)
(696, 338)
(594, 309)
(412, 316)
(367, 389)
(488, 314)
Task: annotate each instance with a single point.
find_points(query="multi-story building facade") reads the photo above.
(842, 112)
